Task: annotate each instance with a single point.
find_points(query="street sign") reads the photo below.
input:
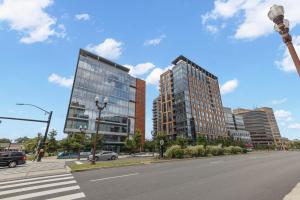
(161, 142)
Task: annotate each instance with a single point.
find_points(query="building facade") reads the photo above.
(156, 116)
(235, 126)
(125, 111)
(273, 124)
(191, 102)
(262, 125)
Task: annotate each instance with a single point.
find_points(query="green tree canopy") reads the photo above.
(21, 140)
(4, 140)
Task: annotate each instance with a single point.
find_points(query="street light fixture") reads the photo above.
(100, 108)
(276, 14)
(42, 143)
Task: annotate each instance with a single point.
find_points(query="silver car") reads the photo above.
(104, 155)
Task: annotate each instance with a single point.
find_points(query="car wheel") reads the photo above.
(113, 158)
(12, 164)
(97, 158)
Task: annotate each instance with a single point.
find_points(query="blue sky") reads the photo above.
(233, 39)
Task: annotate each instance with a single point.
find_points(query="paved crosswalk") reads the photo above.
(52, 187)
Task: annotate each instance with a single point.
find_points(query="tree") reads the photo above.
(5, 140)
(202, 140)
(30, 145)
(150, 145)
(99, 142)
(134, 143)
(161, 136)
(181, 141)
(130, 145)
(52, 146)
(21, 140)
(137, 137)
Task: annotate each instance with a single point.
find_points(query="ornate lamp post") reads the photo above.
(100, 108)
(276, 14)
(83, 132)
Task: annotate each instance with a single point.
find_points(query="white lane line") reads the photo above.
(294, 194)
(69, 197)
(36, 182)
(113, 177)
(32, 179)
(36, 187)
(43, 193)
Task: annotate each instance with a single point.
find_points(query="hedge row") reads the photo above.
(176, 151)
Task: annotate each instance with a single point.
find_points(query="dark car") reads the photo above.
(12, 159)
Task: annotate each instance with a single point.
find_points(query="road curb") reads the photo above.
(294, 194)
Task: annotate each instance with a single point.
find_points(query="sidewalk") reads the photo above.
(46, 167)
(294, 194)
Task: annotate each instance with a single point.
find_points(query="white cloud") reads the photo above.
(294, 126)
(252, 15)
(283, 115)
(110, 49)
(154, 76)
(30, 19)
(83, 16)
(61, 81)
(279, 101)
(229, 86)
(212, 29)
(286, 63)
(140, 69)
(155, 41)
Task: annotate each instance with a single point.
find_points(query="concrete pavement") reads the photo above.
(259, 176)
(46, 167)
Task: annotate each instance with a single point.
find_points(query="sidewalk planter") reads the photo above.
(233, 150)
(174, 151)
(214, 150)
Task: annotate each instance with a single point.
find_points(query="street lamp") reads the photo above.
(276, 14)
(42, 143)
(83, 131)
(100, 108)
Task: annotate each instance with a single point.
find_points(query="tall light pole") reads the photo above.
(83, 131)
(276, 14)
(42, 143)
(100, 108)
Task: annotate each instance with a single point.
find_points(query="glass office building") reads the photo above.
(125, 111)
(191, 102)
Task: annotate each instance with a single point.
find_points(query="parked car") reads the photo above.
(104, 155)
(66, 155)
(12, 158)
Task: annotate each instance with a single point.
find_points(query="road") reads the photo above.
(259, 176)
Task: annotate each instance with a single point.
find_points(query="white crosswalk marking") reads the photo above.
(35, 182)
(33, 179)
(69, 197)
(55, 187)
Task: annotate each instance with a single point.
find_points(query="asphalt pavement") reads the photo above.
(259, 176)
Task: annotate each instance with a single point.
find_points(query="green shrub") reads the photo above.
(228, 150)
(236, 150)
(174, 151)
(200, 150)
(178, 153)
(214, 150)
(245, 150)
(191, 151)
